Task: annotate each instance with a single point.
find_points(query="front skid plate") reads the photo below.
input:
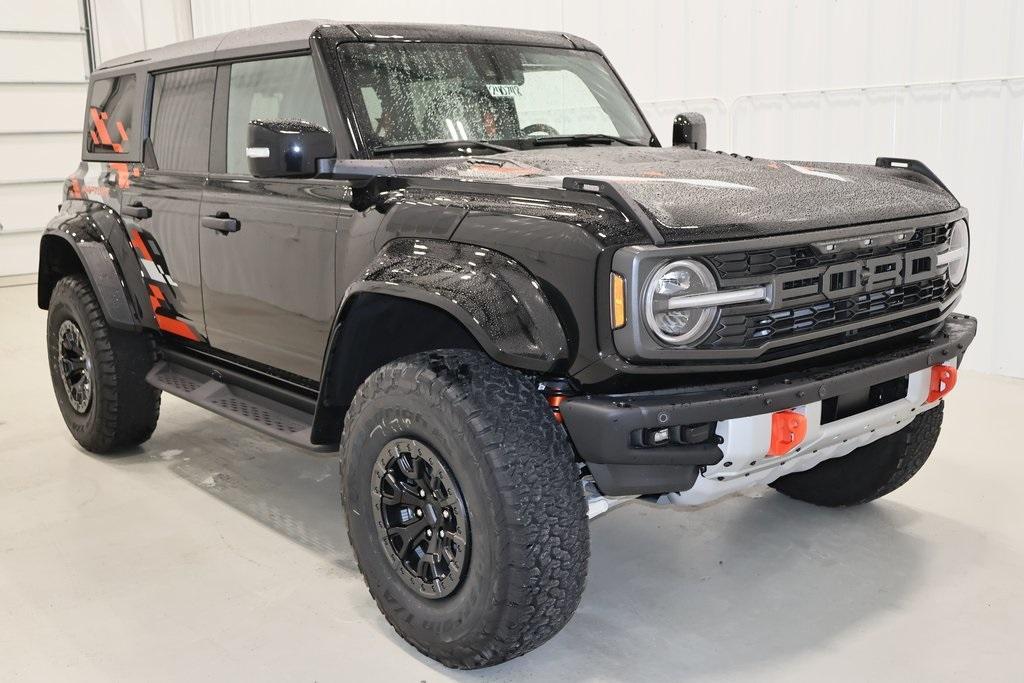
(745, 463)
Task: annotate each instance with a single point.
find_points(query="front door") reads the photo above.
(268, 279)
(161, 207)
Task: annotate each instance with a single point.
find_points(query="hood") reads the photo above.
(699, 195)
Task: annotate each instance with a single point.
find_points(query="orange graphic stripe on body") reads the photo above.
(167, 323)
(123, 173)
(156, 297)
(157, 300)
(140, 245)
(175, 326)
(99, 123)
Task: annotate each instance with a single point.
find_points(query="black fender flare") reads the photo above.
(494, 298)
(96, 250)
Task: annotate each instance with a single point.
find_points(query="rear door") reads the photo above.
(268, 287)
(161, 207)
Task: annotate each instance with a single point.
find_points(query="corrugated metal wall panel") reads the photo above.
(23, 205)
(44, 15)
(43, 107)
(43, 72)
(43, 57)
(38, 156)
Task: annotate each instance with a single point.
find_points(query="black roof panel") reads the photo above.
(294, 35)
(459, 33)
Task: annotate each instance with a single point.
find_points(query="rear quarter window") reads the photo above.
(110, 116)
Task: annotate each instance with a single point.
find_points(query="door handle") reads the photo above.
(137, 210)
(221, 223)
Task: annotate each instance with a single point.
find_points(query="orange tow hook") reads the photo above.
(943, 381)
(788, 429)
(555, 401)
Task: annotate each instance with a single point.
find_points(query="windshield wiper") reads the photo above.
(429, 145)
(582, 139)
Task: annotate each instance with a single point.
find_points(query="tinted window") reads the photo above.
(111, 104)
(180, 125)
(273, 89)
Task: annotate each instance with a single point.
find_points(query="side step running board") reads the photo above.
(263, 413)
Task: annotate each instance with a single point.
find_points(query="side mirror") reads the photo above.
(690, 130)
(279, 149)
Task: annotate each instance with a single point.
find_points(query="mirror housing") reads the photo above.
(286, 149)
(690, 130)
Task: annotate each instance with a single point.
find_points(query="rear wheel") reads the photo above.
(98, 373)
(464, 507)
(869, 472)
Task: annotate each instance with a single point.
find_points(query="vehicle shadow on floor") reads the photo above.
(733, 587)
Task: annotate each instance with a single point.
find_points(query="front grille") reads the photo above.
(791, 259)
(816, 290)
(737, 331)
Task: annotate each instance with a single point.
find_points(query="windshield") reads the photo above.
(406, 93)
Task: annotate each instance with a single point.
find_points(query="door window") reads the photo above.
(180, 127)
(270, 90)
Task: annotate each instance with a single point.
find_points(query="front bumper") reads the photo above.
(605, 429)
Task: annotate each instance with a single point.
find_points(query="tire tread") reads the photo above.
(544, 529)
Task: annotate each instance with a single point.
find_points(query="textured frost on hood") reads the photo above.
(706, 195)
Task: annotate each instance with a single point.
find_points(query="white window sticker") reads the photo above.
(503, 90)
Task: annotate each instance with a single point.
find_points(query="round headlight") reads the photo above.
(669, 317)
(959, 250)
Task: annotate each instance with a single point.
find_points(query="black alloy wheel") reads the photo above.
(421, 517)
(75, 366)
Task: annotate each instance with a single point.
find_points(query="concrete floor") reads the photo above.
(213, 553)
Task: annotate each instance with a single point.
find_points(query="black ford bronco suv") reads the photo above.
(461, 257)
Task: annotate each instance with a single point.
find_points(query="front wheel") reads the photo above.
(464, 507)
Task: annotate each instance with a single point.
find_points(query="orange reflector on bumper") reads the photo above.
(788, 429)
(943, 381)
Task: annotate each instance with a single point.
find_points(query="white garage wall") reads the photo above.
(126, 26)
(43, 69)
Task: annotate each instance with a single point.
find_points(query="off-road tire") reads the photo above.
(529, 539)
(869, 472)
(124, 408)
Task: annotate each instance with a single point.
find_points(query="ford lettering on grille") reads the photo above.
(871, 275)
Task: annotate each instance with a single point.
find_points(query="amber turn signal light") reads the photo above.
(618, 301)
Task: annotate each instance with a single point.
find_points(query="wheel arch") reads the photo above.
(374, 328)
(424, 295)
(72, 247)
